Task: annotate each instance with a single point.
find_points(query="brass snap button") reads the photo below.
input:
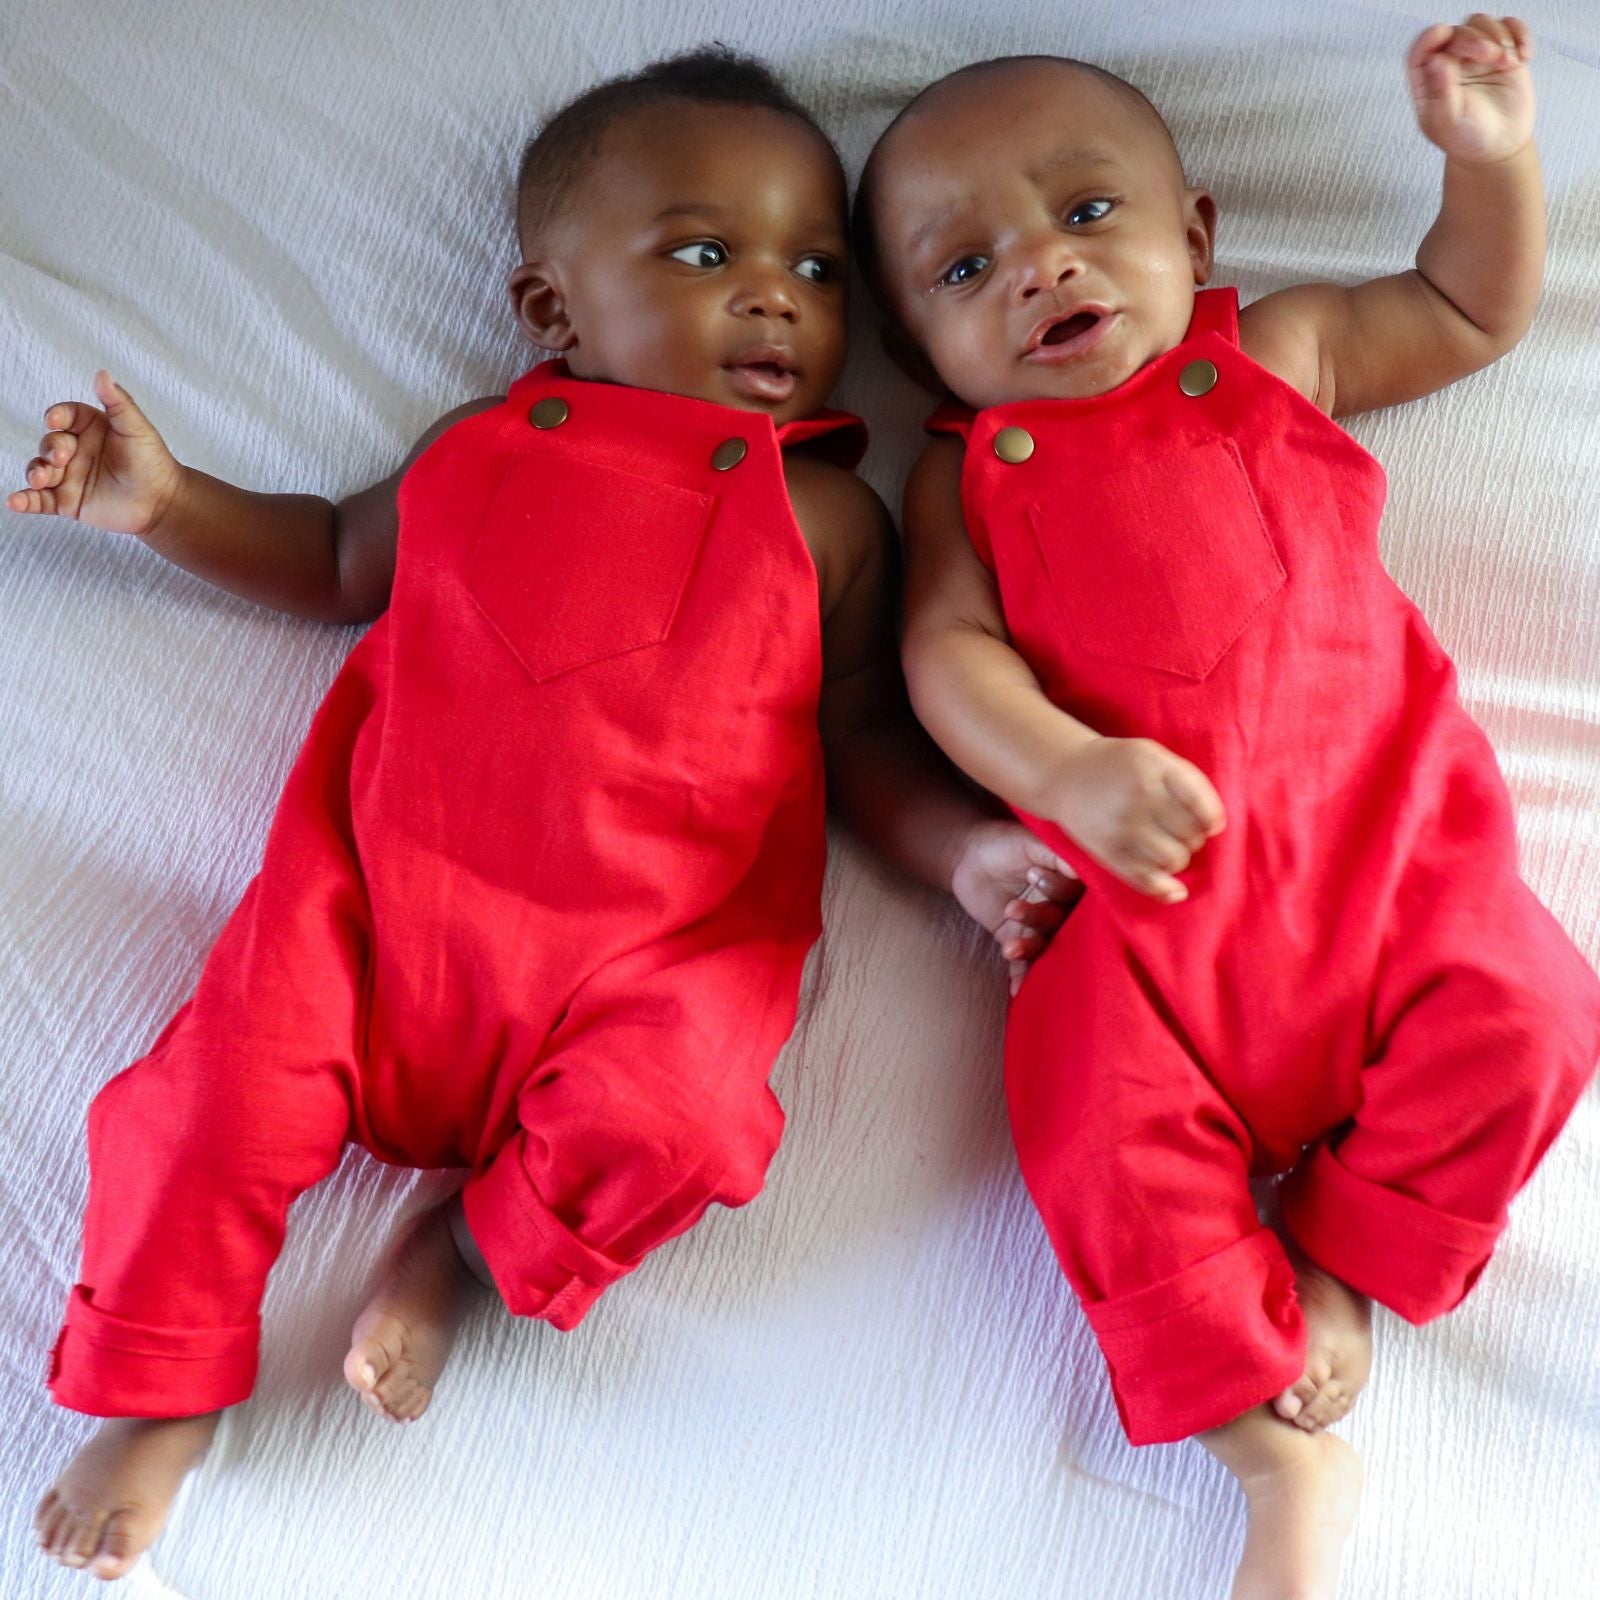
(550, 412)
(1013, 445)
(1199, 377)
(729, 454)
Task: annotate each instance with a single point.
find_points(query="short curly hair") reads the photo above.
(555, 158)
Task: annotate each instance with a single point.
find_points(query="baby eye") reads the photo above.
(703, 253)
(1089, 211)
(963, 271)
(817, 269)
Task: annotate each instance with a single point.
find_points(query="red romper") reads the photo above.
(1193, 558)
(535, 900)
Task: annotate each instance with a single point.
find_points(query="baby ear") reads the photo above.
(1200, 231)
(540, 306)
(907, 355)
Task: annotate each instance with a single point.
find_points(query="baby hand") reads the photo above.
(1012, 883)
(1472, 87)
(108, 468)
(1138, 809)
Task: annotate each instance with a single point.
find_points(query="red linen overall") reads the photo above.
(535, 900)
(1359, 968)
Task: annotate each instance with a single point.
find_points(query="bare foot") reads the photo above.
(1338, 1347)
(110, 1501)
(1302, 1491)
(402, 1339)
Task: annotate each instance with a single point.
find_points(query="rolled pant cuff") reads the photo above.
(1408, 1255)
(541, 1268)
(1202, 1347)
(108, 1367)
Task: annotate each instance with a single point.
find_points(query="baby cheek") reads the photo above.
(965, 354)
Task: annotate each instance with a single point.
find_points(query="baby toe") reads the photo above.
(47, 1518)
(1326, 1407)
(365, 1365)
(117, 1548)
(1319, 1369)
(394, 1386)
(82, 1538)
(1294, 1399)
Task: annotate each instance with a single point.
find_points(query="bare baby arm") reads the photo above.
(1472, 293)
(1138, 808)
(329, 560)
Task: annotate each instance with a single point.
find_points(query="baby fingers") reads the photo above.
(72, 416)
(1025, 917)
(55, 453)
(1193, 791)
(1052, 884)
(1135, 869)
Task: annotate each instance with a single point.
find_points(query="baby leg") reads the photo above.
(1140, 1167)
(195, 1154)
(1302, 1491)
(650, 1104)
(194, 1157)
(1486, 1030)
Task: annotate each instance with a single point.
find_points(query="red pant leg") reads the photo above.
(1140, 1169)
(650, 1104)
(196, 1152)
(1486, 1030)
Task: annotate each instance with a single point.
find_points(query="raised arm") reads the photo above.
(300, 553)
(1476, 283)
(1136, 807)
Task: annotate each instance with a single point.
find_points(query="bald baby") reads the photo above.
(987, 154)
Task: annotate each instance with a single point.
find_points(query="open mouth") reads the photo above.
(1082, 322)
(1066, 338)
(763, 375)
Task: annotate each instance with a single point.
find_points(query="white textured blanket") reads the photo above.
(287, 229)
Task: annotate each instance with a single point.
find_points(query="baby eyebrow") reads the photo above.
(1081, 158)
(935, 224)
(1084, 156)
(691, 208)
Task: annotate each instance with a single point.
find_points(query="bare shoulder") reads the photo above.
(1364, 346)
(933, 487)
(443, 425)
(1279, 332)
(843, 521)
(367, 524)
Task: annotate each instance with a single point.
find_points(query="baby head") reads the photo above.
(1026, 225)
(685, 229)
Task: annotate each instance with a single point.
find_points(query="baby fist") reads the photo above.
(1472, 88)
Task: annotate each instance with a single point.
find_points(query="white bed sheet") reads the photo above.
(287, 232)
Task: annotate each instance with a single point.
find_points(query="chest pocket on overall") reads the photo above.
(575, 563)
(1160, 561)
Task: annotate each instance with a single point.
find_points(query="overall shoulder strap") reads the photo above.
(1215, 311)
(843, 436)
(951, 417)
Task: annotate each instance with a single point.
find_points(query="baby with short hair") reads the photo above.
(537, 896)
(1145, 607)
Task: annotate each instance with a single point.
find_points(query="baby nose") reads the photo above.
(1047, 263)
(766, 295)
